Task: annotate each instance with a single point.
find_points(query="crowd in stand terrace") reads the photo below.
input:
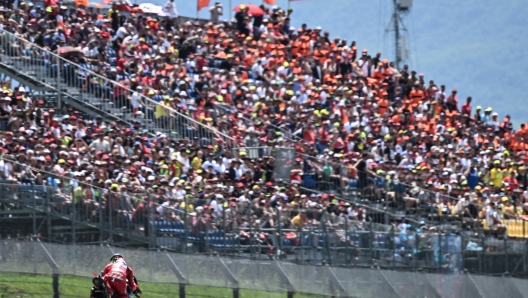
(358, 124)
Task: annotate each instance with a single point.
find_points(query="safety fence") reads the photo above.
(248, 230)
(155, 269)
(90, 83)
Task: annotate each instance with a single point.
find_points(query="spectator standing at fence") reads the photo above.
(113, 14)
(170, 9)
(216, 11)
(361, 167)
(241, 16)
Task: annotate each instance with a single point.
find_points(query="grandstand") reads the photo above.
(261, 143)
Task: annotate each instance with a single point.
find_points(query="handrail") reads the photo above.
(172, 112)
(374, 175)
(140, 200)
(290, 137)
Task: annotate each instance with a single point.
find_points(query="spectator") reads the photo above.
(170, 9)
(216, 11)
(354, 126)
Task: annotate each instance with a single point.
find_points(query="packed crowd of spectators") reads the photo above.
(358, 123)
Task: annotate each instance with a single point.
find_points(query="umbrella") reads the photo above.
(96, 5)
(150, 8)
(124, 8)
(136, 9)
(68, 50)
(252, 10)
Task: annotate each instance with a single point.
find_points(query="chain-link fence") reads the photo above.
(264, 276)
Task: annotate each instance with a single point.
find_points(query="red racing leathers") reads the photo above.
(116, 276)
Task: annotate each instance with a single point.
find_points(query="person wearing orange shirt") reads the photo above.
(383, 105)
(416, 95)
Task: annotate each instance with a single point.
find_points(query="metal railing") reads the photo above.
(87, 81)
(83, 214)
(318, 176)
(384, 200)
(226, 110)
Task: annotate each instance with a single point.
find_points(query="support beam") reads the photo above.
(232, 278)
(54, 267)
(285, 279)
(335, 281)
(181, 278)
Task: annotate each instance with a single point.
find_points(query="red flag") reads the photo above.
(202, 4)
(270, 2)
(84, 3)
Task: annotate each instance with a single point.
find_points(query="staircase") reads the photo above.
(80, 86)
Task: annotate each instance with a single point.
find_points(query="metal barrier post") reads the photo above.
(206, 237)
(326, 236)
(279, 236)
(347, 257)
(101, 218)
(59, 93)
(250, 232)
(81, 91)
(370, 242)
(48, 213)
(224, 228)
(413, 249)
(483, 266)
(439, 265)
(73, 226)
(148, 230)
(525, 246)
(506, 265)
(110, 220)
(187, 225)
(182, 290)
(34, 214)
(393, 247)
(150, 264)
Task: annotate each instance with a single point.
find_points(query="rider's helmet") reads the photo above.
(115, 257)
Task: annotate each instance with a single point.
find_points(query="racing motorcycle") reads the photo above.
(99, 288)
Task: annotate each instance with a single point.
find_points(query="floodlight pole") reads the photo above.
(395, 20)
(396, 25)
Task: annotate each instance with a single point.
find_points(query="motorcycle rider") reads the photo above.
(117, 275)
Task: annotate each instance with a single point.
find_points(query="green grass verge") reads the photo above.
(20, 285)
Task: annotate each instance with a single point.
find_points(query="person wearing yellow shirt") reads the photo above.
(161, 109)
(259, 105)
(197, 161)
(512, 171)
(299, 220)
(518, 208)
(496, 175)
